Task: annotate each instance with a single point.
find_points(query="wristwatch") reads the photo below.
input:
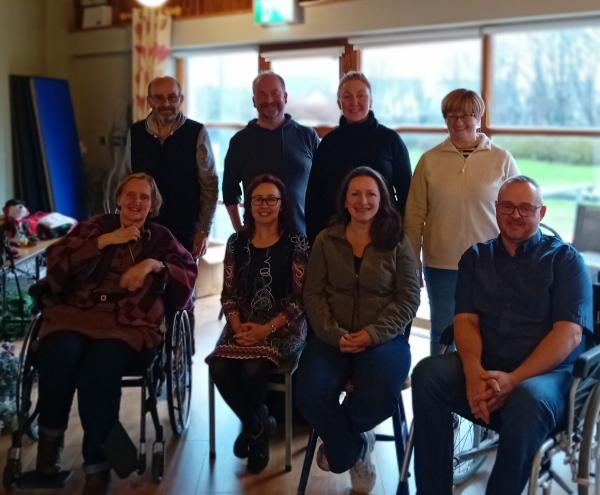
(163, 266)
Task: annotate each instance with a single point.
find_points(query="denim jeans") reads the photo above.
(70, 361)
(377, 376)
(441, 285)
(533, 411)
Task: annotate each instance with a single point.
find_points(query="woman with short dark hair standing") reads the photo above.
(450, 204)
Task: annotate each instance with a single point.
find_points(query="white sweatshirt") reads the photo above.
(450, 204)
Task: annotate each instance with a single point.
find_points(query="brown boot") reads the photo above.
(49, 454)
(96, 483)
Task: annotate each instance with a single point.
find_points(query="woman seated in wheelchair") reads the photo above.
(262, 293)
(361, 293)
(104, 297)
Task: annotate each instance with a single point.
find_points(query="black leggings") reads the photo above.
(243, 385)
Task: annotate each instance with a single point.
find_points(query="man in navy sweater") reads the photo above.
(273, 144)
(176, 151)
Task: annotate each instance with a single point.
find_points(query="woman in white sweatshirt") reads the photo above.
(450, 204)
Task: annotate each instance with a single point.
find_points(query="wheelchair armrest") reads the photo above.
(447, 337)
(588, 362)
(38, 290)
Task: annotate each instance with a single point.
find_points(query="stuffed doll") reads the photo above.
(17, 228)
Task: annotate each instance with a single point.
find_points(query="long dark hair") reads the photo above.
(283, 220)
(386, 229)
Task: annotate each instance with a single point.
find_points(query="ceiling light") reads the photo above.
(152, 3)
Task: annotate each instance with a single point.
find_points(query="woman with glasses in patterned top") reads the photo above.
(450, 203)
(262, 293)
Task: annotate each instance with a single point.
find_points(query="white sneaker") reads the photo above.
(362, 474)
(322, 461)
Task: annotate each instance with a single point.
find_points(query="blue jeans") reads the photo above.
(533, 411)
(377, 376)
(70, 361)
(441, 285)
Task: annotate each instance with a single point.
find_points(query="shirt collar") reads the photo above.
(152, 124)
(527, 247)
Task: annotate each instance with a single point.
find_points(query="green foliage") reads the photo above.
(16, 316)
(577, 151)
(8, 380)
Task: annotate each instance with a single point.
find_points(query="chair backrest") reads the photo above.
(587, 228)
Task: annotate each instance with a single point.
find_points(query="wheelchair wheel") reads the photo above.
(179, 372)
(467, 436)
(158, 461)
(27, 380)
(589, 454)
(12, 473)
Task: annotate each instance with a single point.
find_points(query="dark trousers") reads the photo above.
(243, 385)
(70, 361)
(377, 376)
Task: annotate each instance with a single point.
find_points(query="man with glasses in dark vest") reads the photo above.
(176, 151)
(523, 311)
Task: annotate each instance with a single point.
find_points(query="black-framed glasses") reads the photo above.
(269, 200)
(162, 99)
(524, 209)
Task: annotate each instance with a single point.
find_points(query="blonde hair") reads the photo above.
(353, 75)
(463, 100)
(154, 192)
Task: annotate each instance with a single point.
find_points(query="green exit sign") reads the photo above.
(271, 12)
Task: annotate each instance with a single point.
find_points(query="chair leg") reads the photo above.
(288, 422)
(308, 458)
(211, 417)
(404, 474)
(401, 439)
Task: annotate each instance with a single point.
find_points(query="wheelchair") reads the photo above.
(169, 368)
(579, 441)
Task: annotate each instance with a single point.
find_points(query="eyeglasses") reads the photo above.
(270, 200)
(524, 209)
(162, 99)
(463, 117)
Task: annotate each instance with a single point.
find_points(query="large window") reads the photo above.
(219, 94)
(410, 80)
(547, 78)
(311, 83)
(548, 81)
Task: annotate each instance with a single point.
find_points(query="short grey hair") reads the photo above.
(522, 179)
(267, 73)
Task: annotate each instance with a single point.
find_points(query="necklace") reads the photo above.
(131, 253)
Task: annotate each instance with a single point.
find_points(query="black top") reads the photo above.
(345, 148)
(174, 168)
(286, 152)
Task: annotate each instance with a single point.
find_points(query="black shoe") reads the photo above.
(96, 483)
(241, 445)
(258, 446)
(258, 453)
(49, 454)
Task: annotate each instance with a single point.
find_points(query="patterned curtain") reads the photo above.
(151, 38)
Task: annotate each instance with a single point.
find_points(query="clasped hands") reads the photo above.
(135, 276)
(355, 342)
(487, 391)
(247, 334)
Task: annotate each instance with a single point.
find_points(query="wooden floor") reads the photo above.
(189, 471)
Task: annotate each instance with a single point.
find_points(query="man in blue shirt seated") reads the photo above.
(523, 307)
